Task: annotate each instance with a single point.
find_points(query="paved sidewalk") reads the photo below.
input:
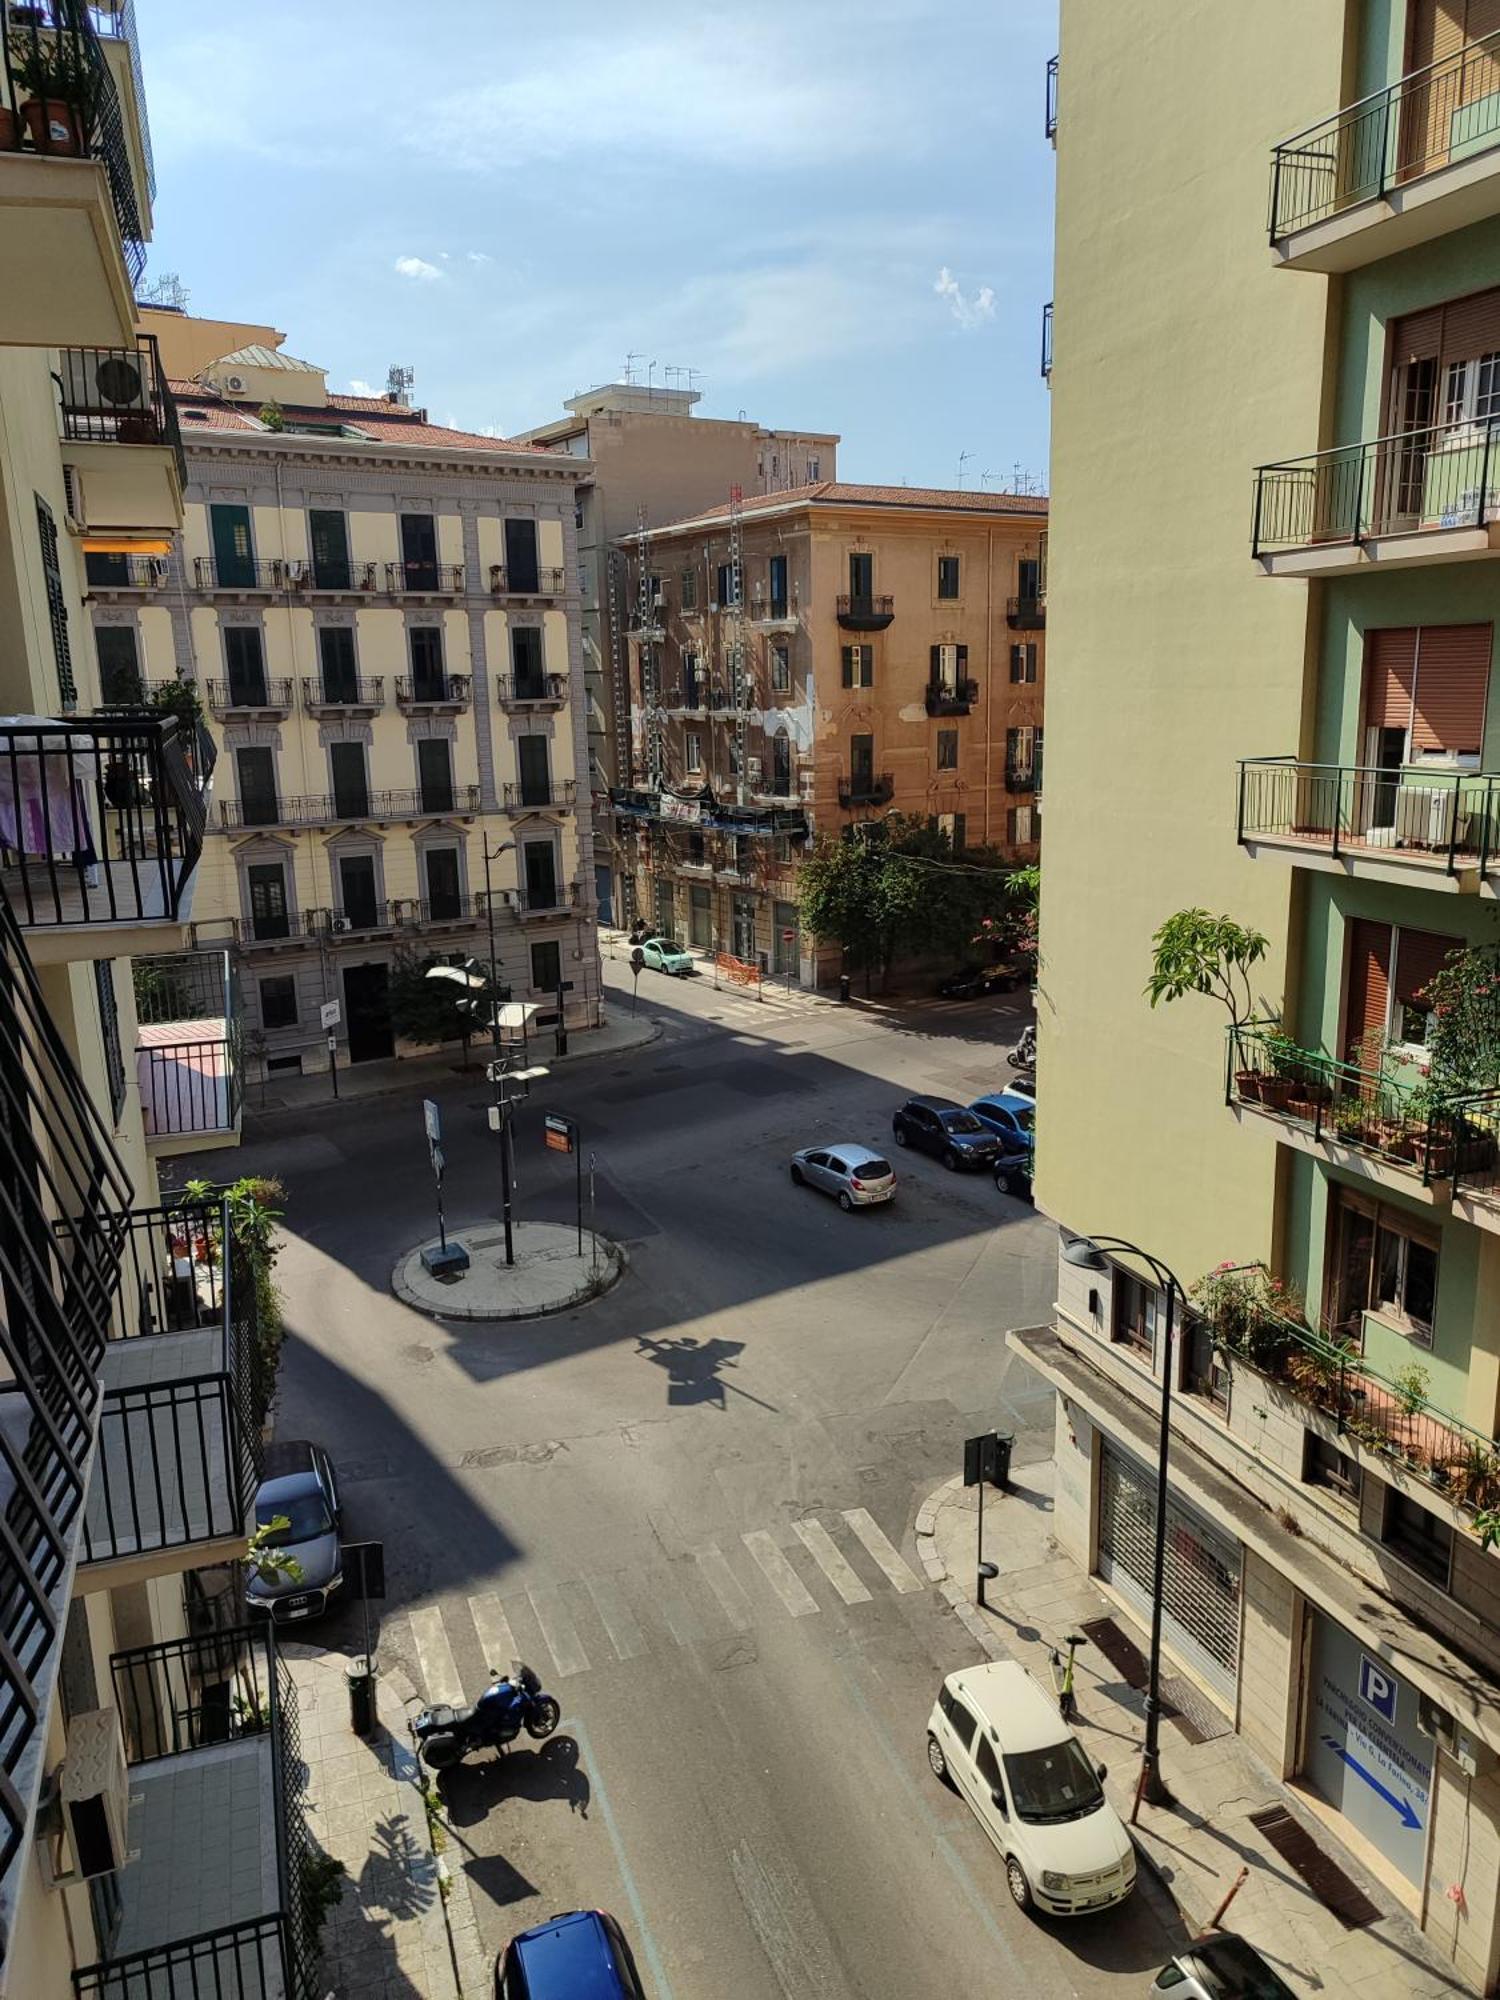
(1198, 1848)
(403, 1928)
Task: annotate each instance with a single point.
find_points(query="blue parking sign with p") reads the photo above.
(1377, 1688)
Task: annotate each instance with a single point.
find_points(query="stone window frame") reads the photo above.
(428, 729)
(533, 832)
(355, 844)
(349, 730)
(119, 618)
(281, 1027)
(439, 835)
(265, 850)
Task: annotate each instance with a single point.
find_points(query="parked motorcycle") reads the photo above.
(513, 1702)
(1023, 1055)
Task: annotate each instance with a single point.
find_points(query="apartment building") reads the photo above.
(379, 617)
(1297, 730)
(129, 1400)
(805, 660)
(649, 454)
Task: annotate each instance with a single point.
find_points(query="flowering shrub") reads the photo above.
(1464, 1037)
(1249, 1311)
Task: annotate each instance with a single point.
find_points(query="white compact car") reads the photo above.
(997, 1738)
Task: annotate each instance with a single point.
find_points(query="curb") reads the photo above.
(616, 1256)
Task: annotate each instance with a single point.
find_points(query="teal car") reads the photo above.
(664, 954)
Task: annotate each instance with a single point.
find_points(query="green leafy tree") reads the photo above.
(1196, 952)
(840, 898)
(254, 1203)
(434, 1011)
(1463, 1039)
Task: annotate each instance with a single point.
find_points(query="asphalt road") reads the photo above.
(689, 1503)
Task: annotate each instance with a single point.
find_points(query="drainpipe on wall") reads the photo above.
(989, 661)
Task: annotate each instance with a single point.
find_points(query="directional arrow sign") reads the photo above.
(1401, 1806)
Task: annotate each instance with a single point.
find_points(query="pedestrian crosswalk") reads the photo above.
(569, 1627)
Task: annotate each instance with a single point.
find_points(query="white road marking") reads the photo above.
(617, 1618)
(824, 1551)
(558, 1630)
(865, 1526)
(779, 1573)
(720, 1579)
(496, 1640)
(435, 1656)
(678, 1616)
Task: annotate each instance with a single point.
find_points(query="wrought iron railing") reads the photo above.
(184, 986)
(531, 690)
(238, 573)
(558, 793)
(366, 917)
(270, 691)
(539, 582)
(119, 395)
(1432, 118)
(852, 605)
(1051, 125)
(425, 579)
(191, 1086)
(252, 931)
(322, 808)
(416, 911)
(357, 693)
(1047, 341)
(1450, 817)
(867, 788)
(1026, 614)
(432, 691)
(1023, 777)
(340, 573)
(101, 819)
(951, 697)
(1441, 476)
(116, 572)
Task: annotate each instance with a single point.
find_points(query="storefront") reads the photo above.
(1363, 1750)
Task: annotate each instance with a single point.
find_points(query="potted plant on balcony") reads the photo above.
(63, 89)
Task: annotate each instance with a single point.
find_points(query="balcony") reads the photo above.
(342, 698)
(532, 692)
(187, 1054)
(74, 184)
(555, 795)
(951, 697)
(1422, 496)
(866, 788)
(178, 1456)
(212, 1744)
(266, 932)
(865, 614)
(238, 576)
(334, 576)
(1026, 614)
(424, 579)
(425, 913)
(433, 694)
(532, 906)
(111, 575)
(120, 437)
(267, 696)
(1432, 828)
(324, 809)
(1047, 342)
(359, 921)
(1051, 124)
(775, 614)
(1023, 777)
(1406, 165)
(101, 827)
(513, 582)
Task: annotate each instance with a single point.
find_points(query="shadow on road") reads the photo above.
(694, 1367)
(553, 1771)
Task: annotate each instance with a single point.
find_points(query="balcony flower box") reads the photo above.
(1249, 1086)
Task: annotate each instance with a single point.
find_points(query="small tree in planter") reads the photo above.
(1463, 1037)
(1197, 952)
(1251, 1314)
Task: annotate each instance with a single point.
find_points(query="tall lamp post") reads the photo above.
(1087, 1252)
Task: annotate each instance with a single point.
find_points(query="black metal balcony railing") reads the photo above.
(183, 986)
(425, 579)
(355, 918)
(557, 793)
(951, 697)
(864, 614)
(352, 693)
(1432, 118)
(1449, 818)
(119, 395)
(532, 690)
(1047, 341)
(189, 1086)
(1442, 476)
(1024, 777)
(433, 691)
(101, 819)
(324, 808)
(337, 573)
(1051, 127)
(81, 116)
(513, 582)
(238, 573)
(1026, 614)
(272, 928)
(273, 692)
(416, 911)
(866, 788)
(105, 572)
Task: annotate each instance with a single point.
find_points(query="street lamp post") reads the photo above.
(1087, 1252)
(503, 1101)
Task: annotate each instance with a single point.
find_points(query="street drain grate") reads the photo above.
(1322, 1874)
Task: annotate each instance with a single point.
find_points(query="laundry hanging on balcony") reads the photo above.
(43, 798)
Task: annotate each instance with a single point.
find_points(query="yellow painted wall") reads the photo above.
(188, 344)
(1181, 360)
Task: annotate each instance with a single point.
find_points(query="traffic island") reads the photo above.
(548, 1276)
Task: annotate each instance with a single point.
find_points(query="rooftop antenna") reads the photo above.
(398, 381)
(168, 291)
(694, 375)
(630, 360)
(650, 376)
(963, 459)
(985, 477)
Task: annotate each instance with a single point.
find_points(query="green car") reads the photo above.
(664, 954)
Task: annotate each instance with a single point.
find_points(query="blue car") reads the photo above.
(1011, 1115)
(580, 1955)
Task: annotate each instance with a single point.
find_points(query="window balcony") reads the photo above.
(540, 582)
(268, 696)
(101, 828)
(238, 576)
(775, 614)
(424, 913)
(531, 906)
(1047, 342)
(1024, 777)
(434, 694)
(336, 576)
(342, 698)
(951, 697)
(1421, 496)
(1404, 166)
(358, 921)
(1026, 614)
(866, 788)
(532, 692)
(108, 576)
(424, 579)
(326, 809)
(865, 614)
(75, 189)
(1430, 828)
(188, 1050)
(120, 438)
(555, 794)
(211, 1739)
(1051, 122)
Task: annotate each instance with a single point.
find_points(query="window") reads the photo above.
(987, 1767)
(269, 918)
(245, 666)
(862, 577)
(724, 585)
(539, 875)
(1420, 1539)
(441, 874)
(1426, 688)
(522, 572)
(958, 831)
(358, 891)
(781, 765)
(419, 551)
(109, 1023)
(692, 682)
(57, 605)
(1325, 1466)
(255, 775)
(1023, 662)
(1405, 1279)
(813, 470)
(960, 1721)
(1471, 391)
(234, 552)
(120, 682)
(1020, 826)
(858, 666)
(546, 965)
(692, 750)
(328, 538)
(337, 662)
(1387, 975)
(435, 774)
(536, 775)
(947, 749)
(861, 766)
(1202, 1374)
(781, 670)
(947, 576)
(1384, 1263)
(277, 1065)
(778, 591)
(351, 784)
(1135, 1306)
(526, 662)
(1020, 747)
(426, 643)
(947, 666)
(278, 1002)
(690, 590)
(1028, 579)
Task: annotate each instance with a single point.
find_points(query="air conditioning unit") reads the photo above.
(103, 378)
(340, 924)
(235, 384)
(85, 1819)
(659, 600)
(1424, 818)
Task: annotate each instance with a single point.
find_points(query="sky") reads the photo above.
(839, 214)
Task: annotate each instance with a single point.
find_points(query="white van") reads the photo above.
(996, 1738)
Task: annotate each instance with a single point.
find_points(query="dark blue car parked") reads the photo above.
(580, 1955)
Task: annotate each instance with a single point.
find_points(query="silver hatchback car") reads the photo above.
(849, 1171)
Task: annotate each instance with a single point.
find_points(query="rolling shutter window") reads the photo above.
(1420, 956)
(1390, 677)
(1460, 330)
(1417, 336)
(846, 657)
(1368, 991)
(1437, 29)
(1453, 672)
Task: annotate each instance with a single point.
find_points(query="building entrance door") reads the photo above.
(1362, 1750)
(367, 1009)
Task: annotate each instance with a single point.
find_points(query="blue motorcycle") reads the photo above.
(513, 1702)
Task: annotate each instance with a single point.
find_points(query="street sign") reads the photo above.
(987, 1460)
(432, 1120)
(788, 937)
(364, 1569)
(328, 1013)
(558, 1132)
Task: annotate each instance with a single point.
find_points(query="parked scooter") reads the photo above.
(512, 1702)
(1023, 1055)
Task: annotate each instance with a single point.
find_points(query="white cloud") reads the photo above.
(970, 310)
(358, 388)
(418, 268)
(478, 256)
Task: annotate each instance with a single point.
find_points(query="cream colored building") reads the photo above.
(381, 619)
(1272, 607)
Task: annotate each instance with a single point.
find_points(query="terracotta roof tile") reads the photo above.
(372, 417)
(840, 492)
